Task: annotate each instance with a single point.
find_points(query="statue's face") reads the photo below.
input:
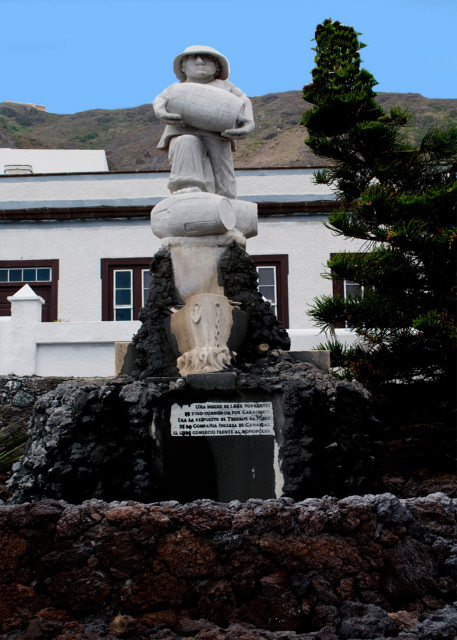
(199, 67)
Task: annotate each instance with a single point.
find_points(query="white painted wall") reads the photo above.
(79, 246)
(144, 189)
(308, 244)
(85, 349)
(80, 348)
(55, 160)
(30, 347)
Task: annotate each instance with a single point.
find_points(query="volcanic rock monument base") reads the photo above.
(215, 408)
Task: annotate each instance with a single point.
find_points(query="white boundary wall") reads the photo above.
(81, 349)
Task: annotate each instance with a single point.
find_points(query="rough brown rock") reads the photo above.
(362, 567)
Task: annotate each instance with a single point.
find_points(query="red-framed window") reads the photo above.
(273, 271)
(346, 289)
(41, 275)
(125, 284)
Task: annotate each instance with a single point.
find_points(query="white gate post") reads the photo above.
(25, 314)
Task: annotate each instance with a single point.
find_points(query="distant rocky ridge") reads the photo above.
(130, 136)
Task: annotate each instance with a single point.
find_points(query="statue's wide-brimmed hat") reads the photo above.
(196, 49)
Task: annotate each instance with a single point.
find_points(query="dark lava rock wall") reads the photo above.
(238, 276)
(20, 393)
(17, 398)
(92, 439)
(153, 350)
(361, 567)
(83, 443)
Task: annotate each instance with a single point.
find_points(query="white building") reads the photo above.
(27, 161)
(80, 238)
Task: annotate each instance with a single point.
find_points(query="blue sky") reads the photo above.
(74, 55)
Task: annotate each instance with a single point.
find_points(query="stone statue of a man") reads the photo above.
(199, 147)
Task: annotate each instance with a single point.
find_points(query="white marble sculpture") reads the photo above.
(204, 115)
(203, 120)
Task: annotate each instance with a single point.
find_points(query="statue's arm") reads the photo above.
(160, 109)
(245, 121)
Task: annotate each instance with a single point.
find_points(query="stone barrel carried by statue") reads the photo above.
(204, 106)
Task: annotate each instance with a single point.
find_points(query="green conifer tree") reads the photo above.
(399, 198)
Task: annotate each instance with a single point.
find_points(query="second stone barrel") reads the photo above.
(192, 214)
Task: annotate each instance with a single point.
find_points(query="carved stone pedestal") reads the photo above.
(198, 227)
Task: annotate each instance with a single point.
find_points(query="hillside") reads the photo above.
(130, 136)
